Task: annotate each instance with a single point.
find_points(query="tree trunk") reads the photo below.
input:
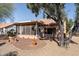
(59, 9)
(62, 34)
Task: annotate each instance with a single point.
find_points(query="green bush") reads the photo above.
(11, 33)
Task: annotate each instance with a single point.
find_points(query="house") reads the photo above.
(5, 27)
(42, 28)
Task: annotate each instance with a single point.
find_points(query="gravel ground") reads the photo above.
(43, 48)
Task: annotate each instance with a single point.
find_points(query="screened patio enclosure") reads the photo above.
(35, 28)
(27, 28)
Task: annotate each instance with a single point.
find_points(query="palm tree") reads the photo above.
(6, 11)
(76, 23)
(69, 24)
(55, 11)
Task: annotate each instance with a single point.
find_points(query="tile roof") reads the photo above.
(47, 21)
(3, 25)
(41, 21)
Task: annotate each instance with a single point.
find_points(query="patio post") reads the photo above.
(30, 30)
(20, 30)
(4, 30)
(16, 30)
(36, 29)
(25, 30)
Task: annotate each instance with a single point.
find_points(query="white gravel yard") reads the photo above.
(48, 49)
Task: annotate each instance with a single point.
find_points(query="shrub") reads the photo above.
(11, 33)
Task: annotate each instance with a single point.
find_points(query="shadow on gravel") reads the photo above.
(2, 43)
(14, 53)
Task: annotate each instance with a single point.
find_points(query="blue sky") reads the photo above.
(22, 13)
(70, 9)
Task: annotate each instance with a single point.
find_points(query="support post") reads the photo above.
(16, 30)
(30, 30)
(4, 30)
(25, 30)
(20, 30)
(36, 29)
